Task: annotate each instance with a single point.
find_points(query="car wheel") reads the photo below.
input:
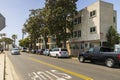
(119, 65)
(81, 59)
(50, 55)
(57, 56)
(109, 62)
(92, 61)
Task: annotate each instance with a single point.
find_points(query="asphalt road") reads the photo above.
(39, 67)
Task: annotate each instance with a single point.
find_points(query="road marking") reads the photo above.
(62, 69)
(49, 75)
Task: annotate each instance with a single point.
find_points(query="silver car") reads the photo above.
(46, 52)
(15, 51)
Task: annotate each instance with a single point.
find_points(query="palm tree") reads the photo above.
(1, 42)
(23, 33)
(14, 37)
(3, 34)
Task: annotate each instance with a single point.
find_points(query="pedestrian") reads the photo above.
(2, 50)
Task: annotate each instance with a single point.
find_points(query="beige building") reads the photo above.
(91, 25)
(2, 22)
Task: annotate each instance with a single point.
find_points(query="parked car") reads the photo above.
(34, 51)
(24, 49)
(59, 52)
(101, 54)
(15, 51)
(40, 51)
(46, 52)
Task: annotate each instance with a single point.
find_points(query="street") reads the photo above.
(39, 67)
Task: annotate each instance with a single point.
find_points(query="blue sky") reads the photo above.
(17, 11)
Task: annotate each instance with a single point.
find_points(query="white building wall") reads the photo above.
(106, 20)
(93, 21)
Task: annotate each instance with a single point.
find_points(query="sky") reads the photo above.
(17, 12)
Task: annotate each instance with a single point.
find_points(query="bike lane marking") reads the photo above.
(62, 69)
(49, 75)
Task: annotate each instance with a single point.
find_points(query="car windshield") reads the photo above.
(90, 50)
(15, 49)
(24, 48)
(63, 49)
(106, 49)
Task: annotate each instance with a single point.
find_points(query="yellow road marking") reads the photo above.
(62, 69)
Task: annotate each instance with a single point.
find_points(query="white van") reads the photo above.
(59, 52)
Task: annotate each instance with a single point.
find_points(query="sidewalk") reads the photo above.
(2, 61)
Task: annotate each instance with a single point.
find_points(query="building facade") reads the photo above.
(90, 26)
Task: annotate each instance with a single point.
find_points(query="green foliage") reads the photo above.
(112, 37)
(52, 19)
(25, 42)
(14, 37)
(33, 25)
(7, 40)
(58, 12)
(3, 34)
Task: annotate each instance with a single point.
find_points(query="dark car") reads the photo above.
(101, 54)
(24, 49)
(34, 51)
(40, 51)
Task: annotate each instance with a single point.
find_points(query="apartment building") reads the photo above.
(2, 22)
(90, 26)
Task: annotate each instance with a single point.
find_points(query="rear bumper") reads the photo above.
(65, 55)
(15, 53)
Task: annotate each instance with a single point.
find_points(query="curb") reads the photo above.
(74, 58)
(10, 73)
(2, 66)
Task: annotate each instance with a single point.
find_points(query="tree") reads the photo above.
(3, 34)
(25, 42)
(33, 26)
(14, 37)
(23, 33)
(58, 11)
(112, 37)
(45, 31)
(7, 41)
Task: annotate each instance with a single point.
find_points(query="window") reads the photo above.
(56, 49)
(82, 46)
(75, 34)
(79, 33)
(92, 29)
(75, 21)
(91, 45)
(79, 20)
(63, 49)
(68, 35)
(93, 13)
(91, 50)
(114, 19)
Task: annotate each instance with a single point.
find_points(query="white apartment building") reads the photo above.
(91, 25)
(2, 22)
